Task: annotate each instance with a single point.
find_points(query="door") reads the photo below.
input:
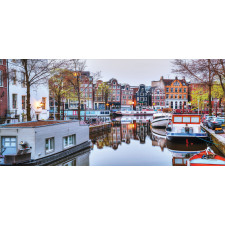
(8, 145)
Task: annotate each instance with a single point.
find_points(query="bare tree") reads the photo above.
(199, 70)
(59, 89)
(74, 77)
(36, 72)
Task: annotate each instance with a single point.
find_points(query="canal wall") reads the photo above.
(218, 139)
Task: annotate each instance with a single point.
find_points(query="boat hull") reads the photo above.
(184, 137)
(207, 159)
(160, 123)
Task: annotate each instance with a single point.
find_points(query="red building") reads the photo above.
(3, 89)
(158, 98)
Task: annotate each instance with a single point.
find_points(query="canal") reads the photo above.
(132, 142)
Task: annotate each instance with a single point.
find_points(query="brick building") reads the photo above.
(86, 93)
(3, 88)
(114, 100)
(158, 98)
(99, 98)
(127, 101)
(176, 91)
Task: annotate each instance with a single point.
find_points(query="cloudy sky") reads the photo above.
(132, 71)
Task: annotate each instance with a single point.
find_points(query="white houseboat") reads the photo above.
(40, 142)
(161, 120)
(134, 113)
(186, 127)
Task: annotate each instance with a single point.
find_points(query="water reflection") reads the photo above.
(136, 144)
(131, 142)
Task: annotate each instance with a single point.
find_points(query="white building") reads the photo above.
(39, 97)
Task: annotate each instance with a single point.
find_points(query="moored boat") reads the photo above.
(134, 113)
(186, 127)
(161, 120)
(207, 158)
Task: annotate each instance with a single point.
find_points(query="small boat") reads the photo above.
(134, 113)
(207, 158)
(161, 120)
(185, 127)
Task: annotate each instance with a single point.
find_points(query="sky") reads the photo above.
(132, 71)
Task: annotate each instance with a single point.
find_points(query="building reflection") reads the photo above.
(158, 137)
(122, 132)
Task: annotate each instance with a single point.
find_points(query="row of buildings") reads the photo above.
(163, 93)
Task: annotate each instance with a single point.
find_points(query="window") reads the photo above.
(114, 86)
(157, 92)
(14, 101)
(1, 78)
(43, 103)
(180, 96)
(1, 61)
(124, 97)
(171, 89)
(14, 77)
(180, 90)
(118, 92)
(69, 141)
(195, 119)
(176, 96)
(186, 119)
(185, 90)
(171, 96)
(118, 87)
(167, 96)
(167, 89)
(137, 98)
(175, 89)
(23, 83)
(49, 145)
(178, 119)
(118, 98)
(24, 102)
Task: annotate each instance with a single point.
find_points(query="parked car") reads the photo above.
(216, 123)
(208, 118)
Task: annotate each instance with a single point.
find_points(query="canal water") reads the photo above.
(132, 142)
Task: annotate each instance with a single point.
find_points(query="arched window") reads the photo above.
(176, 105)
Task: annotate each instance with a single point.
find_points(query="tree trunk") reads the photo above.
(24, 62)
(78, 95)
(58, 108)
(210, 102)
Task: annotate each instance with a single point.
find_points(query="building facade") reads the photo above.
(99, 98)
(86, 93)
(176, 91)
(39, 97)
(114, 100)
(142, 96)
(157, 98)
(127, 101)
(3, 90)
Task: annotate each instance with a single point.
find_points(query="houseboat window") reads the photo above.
(69, 141)
(186, 119)
(178, 119)
(178, 161)
(195, 119)
(49, 145)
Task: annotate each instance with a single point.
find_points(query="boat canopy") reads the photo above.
(186, 119)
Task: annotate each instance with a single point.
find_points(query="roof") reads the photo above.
(37, 123)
